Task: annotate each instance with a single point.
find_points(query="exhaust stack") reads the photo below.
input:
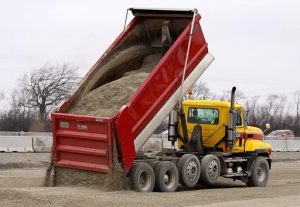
(232, 121)
(172, 128)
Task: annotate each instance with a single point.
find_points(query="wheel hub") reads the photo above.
(144, 180)
(213, 169)
(169, 178)
(192, 170)
(261, 174)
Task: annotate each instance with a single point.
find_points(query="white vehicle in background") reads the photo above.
(281, 134)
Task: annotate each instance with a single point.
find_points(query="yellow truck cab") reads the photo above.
(213, 116)
(213, 140)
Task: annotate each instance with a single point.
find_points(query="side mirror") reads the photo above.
(268, 126)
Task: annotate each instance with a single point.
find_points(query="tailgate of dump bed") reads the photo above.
(82, 142)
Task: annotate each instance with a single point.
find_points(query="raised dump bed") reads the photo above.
(179, 57)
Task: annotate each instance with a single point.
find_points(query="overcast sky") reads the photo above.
(256, 43)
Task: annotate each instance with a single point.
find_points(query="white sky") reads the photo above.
(256, 43)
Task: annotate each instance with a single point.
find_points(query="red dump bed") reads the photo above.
(86, 142)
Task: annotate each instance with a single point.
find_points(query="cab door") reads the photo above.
(211, 122)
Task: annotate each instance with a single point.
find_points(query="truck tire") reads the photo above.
(153, 164)
(260, 173)
(189, 170)
(142, 177)
(210, 169)
(166, 177)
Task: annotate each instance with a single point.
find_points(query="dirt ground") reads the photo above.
(23, 187)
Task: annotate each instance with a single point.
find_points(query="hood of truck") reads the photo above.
(249, 131)
(252, 140)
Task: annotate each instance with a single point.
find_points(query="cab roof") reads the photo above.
(212, 103)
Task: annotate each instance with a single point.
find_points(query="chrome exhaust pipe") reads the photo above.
(172, 128)
(232, 121)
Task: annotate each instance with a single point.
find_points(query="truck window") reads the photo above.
(238, 118)
(203, 116)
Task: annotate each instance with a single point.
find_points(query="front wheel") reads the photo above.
(260, 173)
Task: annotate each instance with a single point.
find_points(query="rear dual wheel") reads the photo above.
(142, 177)
(164, 177)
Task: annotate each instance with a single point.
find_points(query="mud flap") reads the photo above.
(196, 140)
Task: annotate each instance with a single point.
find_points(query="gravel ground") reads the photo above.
(20, 160)
(285, 156)
(282, 190)
(22, 176)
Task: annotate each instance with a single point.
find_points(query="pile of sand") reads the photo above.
(148, 64)
(120, 62)
(108, 99)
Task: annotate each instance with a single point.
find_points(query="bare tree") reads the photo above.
(13, 117)
(273, 111)
(281, 111)
(269, 108)
(2, 97)
(239, 95)
(253, 110)
(275, 104)
(200, 90)
(296, 97)
(45, 87)
(297, 103)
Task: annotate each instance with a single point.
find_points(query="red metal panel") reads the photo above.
(159, 86)
(82, 142)
(126, 145)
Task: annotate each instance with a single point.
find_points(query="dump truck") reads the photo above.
(204, 153)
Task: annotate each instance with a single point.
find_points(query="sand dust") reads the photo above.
(49, 179)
